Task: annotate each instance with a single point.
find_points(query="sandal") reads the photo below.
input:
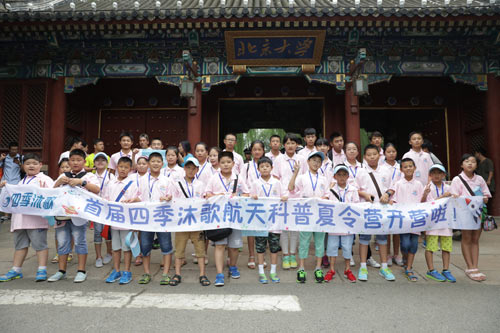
(165, 280)
(204, 281)
(474, 275)
(410, 275)
(138, 260)
(145, 279)
(175, 280)
(251, 262)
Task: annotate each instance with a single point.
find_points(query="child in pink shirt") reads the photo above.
(341, 192)
(126, 142)
(310, 138)
(201, 153)
(326, 169)
(65, 228)
(275, 145)
(408, 190)
(230, 143)
(267, 187)
(124, 189)
(172, 170)
(30, 229)
(435, 190)
(213, 157)
(337, 154)
(283, 168)
(476, 186)
(423, 160)
(310, 185)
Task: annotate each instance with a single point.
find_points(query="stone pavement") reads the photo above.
(489, 263)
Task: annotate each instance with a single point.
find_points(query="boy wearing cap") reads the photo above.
(437, 189)
(190, 188)
(154, 187)
(89, 160)
(341, 192)
(100, 162)
(310, 185)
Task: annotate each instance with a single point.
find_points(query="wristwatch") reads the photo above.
(84, 183)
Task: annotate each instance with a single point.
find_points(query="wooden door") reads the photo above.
(169, 125)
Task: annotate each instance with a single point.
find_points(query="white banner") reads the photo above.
(244, 213)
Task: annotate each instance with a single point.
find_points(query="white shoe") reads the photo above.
(107, 259)
(80, 277)
(352, 262)
(99, 263)
(389, 261)
(398, 261)
(206, 261)
(372, 262)
(56, 277)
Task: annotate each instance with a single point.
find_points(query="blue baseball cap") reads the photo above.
(316, 153)
(339, 167)
(437, 166)
(101, 154)
(192, 160)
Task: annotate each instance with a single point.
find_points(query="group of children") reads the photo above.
(327, 169)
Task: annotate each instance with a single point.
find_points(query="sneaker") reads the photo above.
(55, 260)
(234, 272)
(80, 277)
(324, 262)
(99, 263)
(449, 277)
(387, 274)
(107, 259)
(219, 280)
(274, 278)
(263, 278)
(41, 275)
(318, 275)
(286, 262)
(11, 275)
(301, 276)
(126, 278)
(156, 244)
(330, 275)
(435, 275)
(363, 274)
(70, 257)
(352, 263)
(372, 262)
(293, 261)
(389, 261)
(114, 276)
(398, 260)
(56, 277)
(349, 276)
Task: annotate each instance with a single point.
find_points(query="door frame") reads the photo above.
(323, 111)
(428, 108)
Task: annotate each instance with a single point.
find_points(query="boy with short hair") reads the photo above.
(66, 229)
(268, 187)
(310, 138)
(423, 160)
(144, 141)
(310, 185)
(126, 142)
(156, 143)
(104, 177)
(283, 170)
(326, 169)
(155, 187)
(76, 143)
(122, 189)
(435, 190)
(230, 143)
(89, 160)
(190, 188)
(336, 155)
(30, 229)
(275, 144)
(408, 190)
(226, 182)
(376, 138)
(375, 185)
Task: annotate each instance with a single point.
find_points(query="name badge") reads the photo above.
(417, 174)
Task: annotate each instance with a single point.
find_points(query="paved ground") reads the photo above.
(245, 305)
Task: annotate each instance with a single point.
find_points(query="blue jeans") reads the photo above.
(365, 239)
(147, 238)
(68, 231)
(333, 245)
(97, 232)
(409, 243)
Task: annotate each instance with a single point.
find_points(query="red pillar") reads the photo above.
(492, 120)
(57, 124)
(352, 123)
(194, 117)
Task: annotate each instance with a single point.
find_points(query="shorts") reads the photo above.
(118, 240)
(98, 227)
(305, 240)
(432, 243)
(380, 239)
(272, 239)
(165, 239)
(409, 243)
(196, 237)
(37, 238)
(69, 231)
(233, 241)
(345, 241)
